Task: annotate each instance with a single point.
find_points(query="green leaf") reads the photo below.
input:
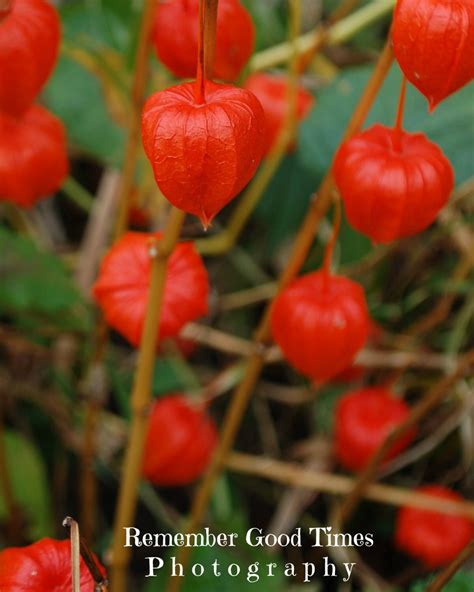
(36, 287)
(171, 375)
(285, 201)
(29, 483)
(324, 409)
(95, 23)
(75, 96)
(269, 26)
(461, 582)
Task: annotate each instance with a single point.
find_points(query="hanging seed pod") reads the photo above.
(272, 92)
(393, 183)
(33, 156)
(432, 42)
(44, 566)
(433, 538)
(180, 441)
(320, 323)
(121, 289)
(363, 420)
(29, 44)
(203, 153)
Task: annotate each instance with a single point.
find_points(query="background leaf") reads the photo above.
(75, 96)
(29, 484)
(36, 286)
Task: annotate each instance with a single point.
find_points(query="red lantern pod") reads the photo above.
(320, 323)
(175, 37)
(272, 92)
(363, 420)
(432, 42)
(43, 566)
(33, 156)
(432, 537)
(121, 289)
(203, 154)
(180, 441)
(393, 183)
(29, 43)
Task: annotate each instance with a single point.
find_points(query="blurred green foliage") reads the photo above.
(37, 290)
(29, 484)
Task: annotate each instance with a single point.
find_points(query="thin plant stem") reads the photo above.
(291, 474)
(139, 85)
(77, 194)
(337, 34)
(206, 47)
(80, 549)
(418, 412)
(398, 127)
(159, 252)
(75, 553)
(256, 361)
(438, 584)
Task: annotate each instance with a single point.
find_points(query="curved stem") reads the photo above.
(159, 252)
(75, 553)
(256, 361)
(80, 549)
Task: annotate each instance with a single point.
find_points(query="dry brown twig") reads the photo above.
(73, 527)
(98, 230)
(230, 344)
(80, 549)
(297, 476)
